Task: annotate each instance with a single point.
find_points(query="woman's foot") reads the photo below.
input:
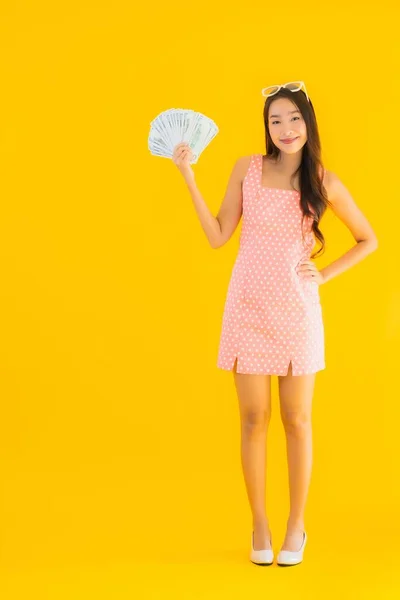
(293, 539)
(262, 537)
(286, 558)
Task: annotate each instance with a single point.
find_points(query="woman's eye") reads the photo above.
(273, 122)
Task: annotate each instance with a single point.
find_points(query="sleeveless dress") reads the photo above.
(272, 316)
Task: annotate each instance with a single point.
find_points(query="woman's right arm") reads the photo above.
(218, 229)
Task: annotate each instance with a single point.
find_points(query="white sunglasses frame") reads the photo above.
(302, 84)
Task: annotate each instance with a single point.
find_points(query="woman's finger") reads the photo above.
(307, 262)
(182, 155)
(307, 265)
(179, 147)
(308, 272)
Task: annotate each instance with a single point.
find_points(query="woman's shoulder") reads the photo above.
(245, 160)
(331, 183)
(243, 164)
(328, 177)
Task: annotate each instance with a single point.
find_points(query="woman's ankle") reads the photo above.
(261, 524)
(294, 524)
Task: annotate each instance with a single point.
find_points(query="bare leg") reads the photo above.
(295, 394)
(254, 395)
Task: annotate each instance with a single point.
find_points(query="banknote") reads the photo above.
(177, 125)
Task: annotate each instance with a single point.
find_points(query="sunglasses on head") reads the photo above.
(293, 86)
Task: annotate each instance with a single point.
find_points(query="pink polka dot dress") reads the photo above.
(272, 315)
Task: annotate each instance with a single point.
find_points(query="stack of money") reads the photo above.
(177, 125)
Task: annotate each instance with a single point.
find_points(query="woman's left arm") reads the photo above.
(345, 208)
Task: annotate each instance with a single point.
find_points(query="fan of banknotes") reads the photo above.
(177, 125)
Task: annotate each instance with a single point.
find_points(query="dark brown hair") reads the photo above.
(313, 197)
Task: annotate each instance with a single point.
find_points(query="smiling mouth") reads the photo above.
(290, 141)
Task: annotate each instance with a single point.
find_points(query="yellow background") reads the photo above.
(120, 452)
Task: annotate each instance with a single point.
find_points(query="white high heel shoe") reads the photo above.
(261, 557)
(288, 557)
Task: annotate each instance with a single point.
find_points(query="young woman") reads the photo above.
(272, 322)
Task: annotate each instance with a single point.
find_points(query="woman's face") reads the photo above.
(286, 121)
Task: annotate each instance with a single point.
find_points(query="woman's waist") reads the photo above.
(263, 259)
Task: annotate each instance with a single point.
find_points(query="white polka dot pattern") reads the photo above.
(272, 315)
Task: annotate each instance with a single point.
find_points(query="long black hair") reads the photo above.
(313, 197)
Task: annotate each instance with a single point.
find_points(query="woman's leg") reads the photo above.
(254, 395)
(295, 395)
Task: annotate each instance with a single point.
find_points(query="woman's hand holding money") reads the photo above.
(181, 157)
